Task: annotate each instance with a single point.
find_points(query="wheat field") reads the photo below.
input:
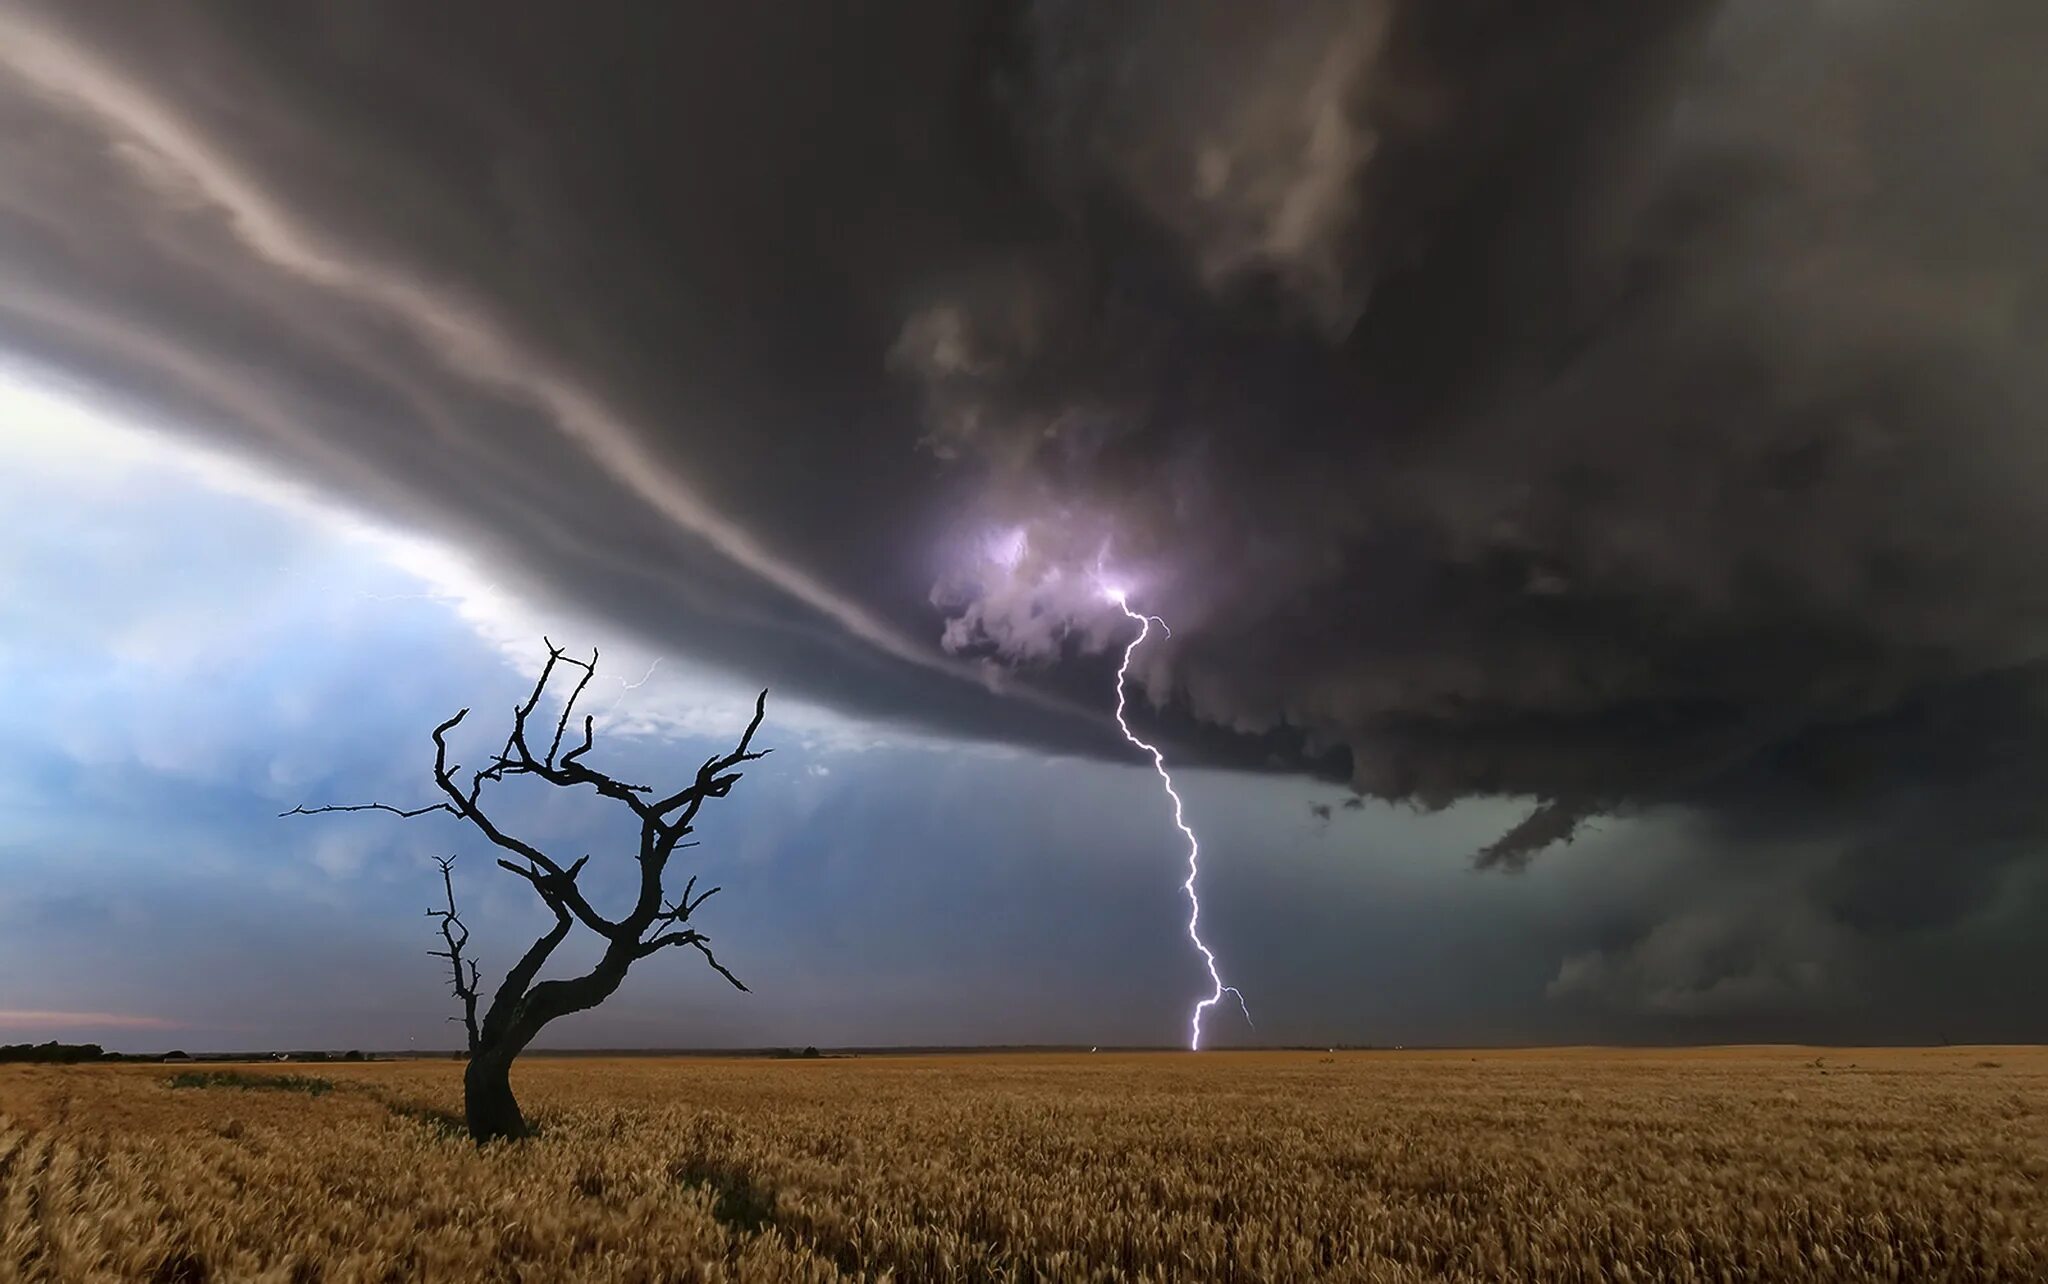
(1725, 1164)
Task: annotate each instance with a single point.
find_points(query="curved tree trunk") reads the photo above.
(522, 1005)
(488, 1107)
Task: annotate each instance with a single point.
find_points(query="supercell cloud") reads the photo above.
(1614, 405)
(1608, 405)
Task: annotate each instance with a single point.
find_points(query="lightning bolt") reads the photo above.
(625, 687)
(1218, 989)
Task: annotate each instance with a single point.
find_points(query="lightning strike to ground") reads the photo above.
(1218, 990)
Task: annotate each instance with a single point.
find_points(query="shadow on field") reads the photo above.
(747, 1206)
(736, 1201)
(251, 1082)
(447, 1123)
(179, 1266)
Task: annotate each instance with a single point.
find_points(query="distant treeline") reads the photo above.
(54, 1053)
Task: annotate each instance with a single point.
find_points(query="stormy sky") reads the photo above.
(1589, 454)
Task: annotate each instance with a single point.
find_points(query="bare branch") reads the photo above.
(528, 873)
(453, 807)
(569, 706)
(709, 782)
(703, 944)
(658, 943)
(303, 810)
(679, 911)
(475, 815)
(516, 758)
(589, 731)
(456, 934)
(696, 940)
(747, 738)
(526, 760)
(540, 685)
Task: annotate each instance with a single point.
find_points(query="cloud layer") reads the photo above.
(1610, 405)
(1628, 410)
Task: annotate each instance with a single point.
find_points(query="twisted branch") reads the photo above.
(521, 1006)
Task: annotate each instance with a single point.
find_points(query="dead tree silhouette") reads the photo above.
(523, 1005)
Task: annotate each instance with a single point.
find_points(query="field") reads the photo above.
(1712, 1165)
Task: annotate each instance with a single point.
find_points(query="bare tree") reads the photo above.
(523, 1004)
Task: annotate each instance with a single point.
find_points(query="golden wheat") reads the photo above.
(1717, 1165)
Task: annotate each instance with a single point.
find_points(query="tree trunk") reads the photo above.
(488, 1106)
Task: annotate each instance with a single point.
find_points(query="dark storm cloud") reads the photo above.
(1608, 403)
(562, 306)
(1636, 407)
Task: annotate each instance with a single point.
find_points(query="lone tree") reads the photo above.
(523, 1005)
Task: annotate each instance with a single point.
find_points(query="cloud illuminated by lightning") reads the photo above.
(1218, 989)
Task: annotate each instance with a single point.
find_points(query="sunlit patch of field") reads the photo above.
(1579, 1164)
